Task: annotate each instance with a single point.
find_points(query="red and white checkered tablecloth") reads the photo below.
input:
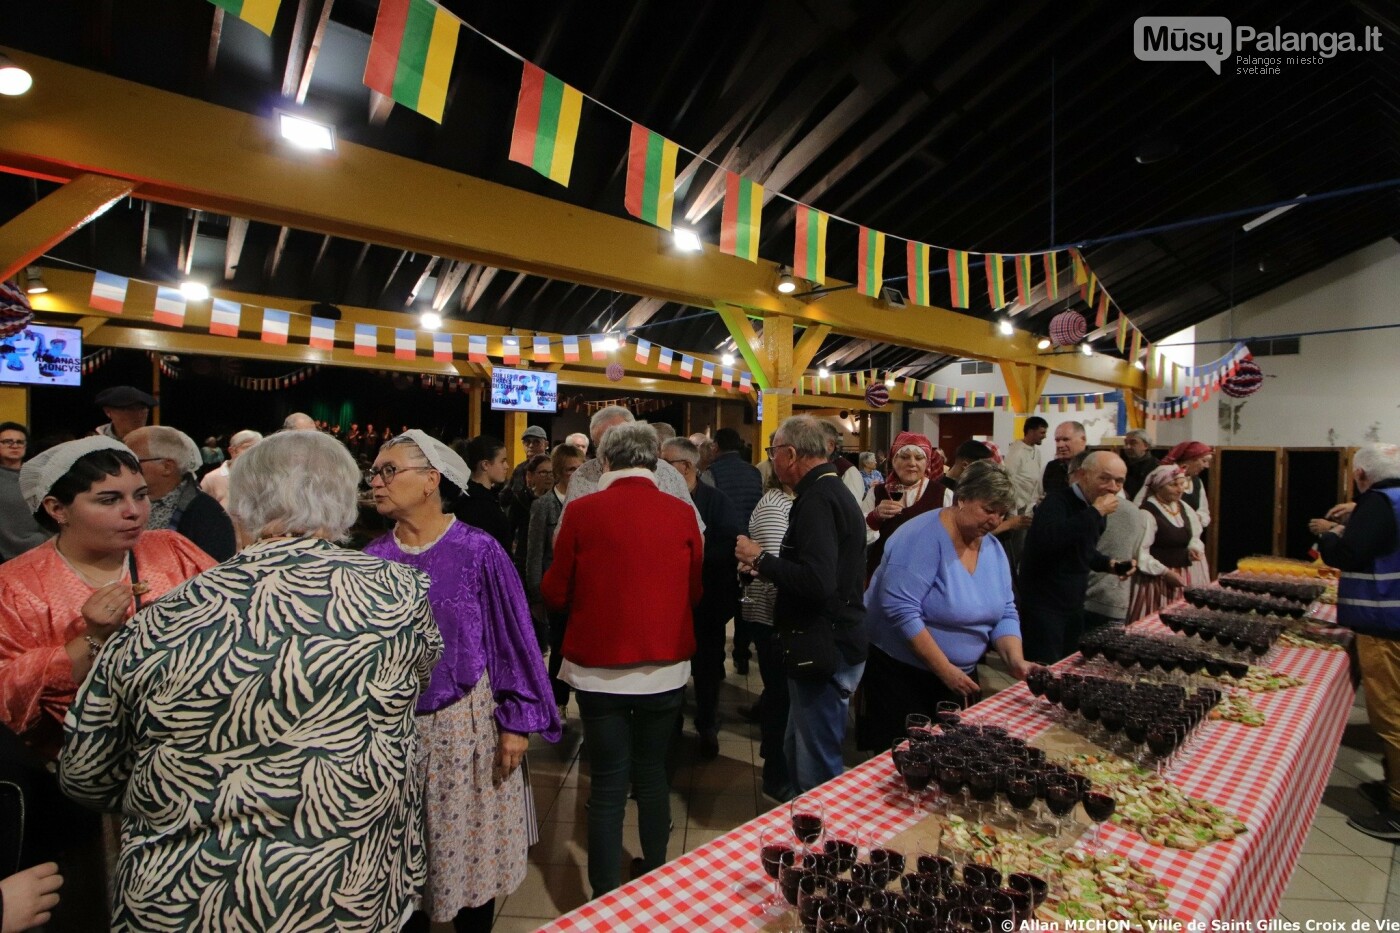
(1271, 776)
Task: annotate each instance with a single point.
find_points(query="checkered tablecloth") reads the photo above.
(1271, 776)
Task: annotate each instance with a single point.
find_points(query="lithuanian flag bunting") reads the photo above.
(957, 277)
(996, 280)
(741, 218)
(260, 14)
(1052, 277)
(1089, 289)
(1121, 338)
(1081, 277)
(871, 269)
(1101, 317)
(224, 318)
(1023, 280)
(917, 256)
(323, 333)
(651, 177)
(410, 54)
(546, 125)
(1137, 345)
(809, 251)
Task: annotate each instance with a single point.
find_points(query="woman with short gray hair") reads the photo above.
(266, 706)
(940, 597)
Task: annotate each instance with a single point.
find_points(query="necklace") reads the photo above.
(1172, 509)
(95, 584)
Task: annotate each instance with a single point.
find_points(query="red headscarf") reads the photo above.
(996, 451)
(1187, 450)
(936, 463)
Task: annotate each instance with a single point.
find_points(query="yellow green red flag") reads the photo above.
(260, 14)
(809, 250)
(742, 217)
(957, 277)
(546, 124)
(651, 177)
(917, 256)
(996, 281)
(870, 269)
(410, 54)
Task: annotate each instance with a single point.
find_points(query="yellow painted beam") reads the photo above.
(52, 219)
(749, 342)
(76, 121)
(14, 404)
(1025, 384)
(806, 349)
(1136, 416)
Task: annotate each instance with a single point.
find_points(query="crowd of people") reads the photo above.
(295, 734)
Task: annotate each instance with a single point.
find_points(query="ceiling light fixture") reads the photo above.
(727, 359)
(1005, 328)
(889, 383)
(304, 133)
(823, 372)
(194, 291)
(14, 80)
(1086, 348)
(1043, 343)
(786, 283)
(1138, 364)
(34, 281)
(686, 240)
(611, 343)
(1276, 212)
(430, 320)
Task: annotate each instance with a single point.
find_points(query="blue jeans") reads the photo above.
(817, 727)
(627, 738)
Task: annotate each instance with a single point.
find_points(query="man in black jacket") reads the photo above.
(1061, 550)
(169, 460)
(720, 601)
(820, 579)
(743, 484)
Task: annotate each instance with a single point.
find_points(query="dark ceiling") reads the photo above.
(984, 126)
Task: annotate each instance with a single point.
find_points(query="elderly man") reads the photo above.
(585, 479)
(578, 439)
(1070, 440)
(819, 614)
(1106, 600)
(169, 459)
(517, 492)
(1136, 454)
(1061, 551)
(126, 408)
(215, 483)
(720, 601)
(18, 530)
(1367, 552)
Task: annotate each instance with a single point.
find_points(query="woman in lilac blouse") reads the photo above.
(487, 695)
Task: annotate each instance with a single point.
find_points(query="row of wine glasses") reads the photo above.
(1217, 597)
(1246, 636)
(1283, 589)
(1149, 655)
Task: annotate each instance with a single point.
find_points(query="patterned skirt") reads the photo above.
(477, 833)
(1151, 594)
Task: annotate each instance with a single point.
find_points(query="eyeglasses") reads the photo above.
(676, 463)
(387, 472)
(152, 459)
(10, 443)
(769, 450)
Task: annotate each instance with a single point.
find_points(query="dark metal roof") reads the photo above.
(927, 120)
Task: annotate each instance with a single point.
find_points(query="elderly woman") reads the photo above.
(539, 479)
(1194, 458)
(940, 597)
(480, 504)
(255, 728)
(627, 566)
(539, 554)
(915, 486)
(169, 461)
(486, 697)
(1171, 543)
(868, 470)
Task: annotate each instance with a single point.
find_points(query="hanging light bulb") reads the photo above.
(1005, 328)
(194, 291)
(727, 359)
(823, 372)
(1043, 343)
(34, 281)
(430, 320)
(610, 343)
(14, 80)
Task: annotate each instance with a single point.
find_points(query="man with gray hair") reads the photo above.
(819, 615)
(298, 421)
(169, 460)
(1137, 455)
(1070, 439)
(578, 439)
(585, 479)
(846, 471)
(215, 483)
(1367, 552)
(1061, 551)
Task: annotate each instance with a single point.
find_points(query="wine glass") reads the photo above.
(813, 890)
(952, 771)
(918, 771)
(917, 725)
(949, 713)
(843, 847)
(1099, 804)
(1020, 793)
(808, 819)
(1061, 795)
(982, 787)
(775, 854)
(886, 864)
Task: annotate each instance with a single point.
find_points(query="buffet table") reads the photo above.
(1271, 776)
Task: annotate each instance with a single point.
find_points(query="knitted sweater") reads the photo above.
(1108, 594)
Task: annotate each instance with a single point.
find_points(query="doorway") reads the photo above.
(956, 429)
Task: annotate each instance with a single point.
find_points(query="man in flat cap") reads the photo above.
(126, 408)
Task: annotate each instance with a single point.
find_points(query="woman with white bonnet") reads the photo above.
(488, 695)
(1171, 542)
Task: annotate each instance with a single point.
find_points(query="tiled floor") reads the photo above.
(1342, 874)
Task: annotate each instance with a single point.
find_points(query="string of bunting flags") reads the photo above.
(923, 390)
(1193, 385)
(170, 370)
(109, 294)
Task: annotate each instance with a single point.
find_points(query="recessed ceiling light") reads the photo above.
(1043, 343)
(14, 80)
(430, 320)
(194, 291)
(1006, 329)
(823, 372)
(304, 133)
(727, 359)
(686, 240)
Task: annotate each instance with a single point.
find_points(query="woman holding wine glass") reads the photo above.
(913, 488)
(940, 597)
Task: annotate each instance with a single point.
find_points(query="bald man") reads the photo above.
(1061, 551)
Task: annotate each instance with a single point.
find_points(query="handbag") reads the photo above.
(810, 653)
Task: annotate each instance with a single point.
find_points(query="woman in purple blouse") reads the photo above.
(489, 692)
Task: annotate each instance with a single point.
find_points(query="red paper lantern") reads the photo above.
(614, 372)
(877, 395)
(1245, 381)
(1068, 327)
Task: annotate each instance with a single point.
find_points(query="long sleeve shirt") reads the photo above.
(1024, 464)
(19, 532)
(767, 526)
(1061, 549)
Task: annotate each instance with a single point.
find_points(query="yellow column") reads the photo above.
(1136, 417)
(1024, 383)
(777, 401)
(14, 404)
(476, 397)
(516, 423)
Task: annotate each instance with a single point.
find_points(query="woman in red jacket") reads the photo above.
(913, 487)
(627, 568)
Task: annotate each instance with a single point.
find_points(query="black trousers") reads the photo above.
(889, 691)
(772, 709)
(707, 666)
(558, 622)
(1049, 634)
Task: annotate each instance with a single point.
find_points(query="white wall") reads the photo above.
(1098, 422)
(1341, 390)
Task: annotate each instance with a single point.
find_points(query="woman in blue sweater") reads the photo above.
(941, 595)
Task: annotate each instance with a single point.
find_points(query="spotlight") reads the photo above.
(787, 282)
(610, 343)
(1043, 343)
(14, 80)
(727, 359)
(686, 240)
(1005, 328)
(1086, 348)
(304, 133)
(34, 281)
(430, 320)
(1138, 364)
(194, 291)
(889, 383)
(823, 372)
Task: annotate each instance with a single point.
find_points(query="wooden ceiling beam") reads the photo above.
(56, 216)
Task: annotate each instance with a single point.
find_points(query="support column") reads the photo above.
(777, 401)
(155, 388)
(14, 405)
(1024, 383)
(1136, 416)
(476, 397)
(516, 423)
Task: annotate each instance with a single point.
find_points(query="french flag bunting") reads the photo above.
(707, 373)
(274, 326)
(745, 383)
(665, 358)
(510, 350)
(543, 353)
(170, 307)
(476, 349)
(687, 366)
(405, 344)
(442, 347)
(366, 340)
(323, 333)
(108, 292)
(596, 341)
(570, 349)
(224, 318)
(726, 378)
(643, 351)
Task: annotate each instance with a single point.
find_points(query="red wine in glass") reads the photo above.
(1060, 798)
(843, 853)
(1099, 805)
(808, 819)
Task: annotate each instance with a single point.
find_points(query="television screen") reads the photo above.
(524, 390)
(43, 355)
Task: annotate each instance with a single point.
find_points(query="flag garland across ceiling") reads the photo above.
(1192, 385)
